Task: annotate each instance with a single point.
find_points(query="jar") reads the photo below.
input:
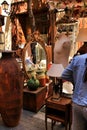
(11, 89)
(41, 77)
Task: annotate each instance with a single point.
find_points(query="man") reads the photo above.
(76, 73)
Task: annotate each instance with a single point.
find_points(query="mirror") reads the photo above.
(34, 55)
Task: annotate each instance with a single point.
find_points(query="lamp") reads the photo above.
(5, 5)
(82, 35)
(11, 12)
(56, 71)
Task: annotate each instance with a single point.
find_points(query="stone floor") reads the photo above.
(31, 121)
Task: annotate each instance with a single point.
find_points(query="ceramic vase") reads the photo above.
(11, 89)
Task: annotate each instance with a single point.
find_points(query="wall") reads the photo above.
(7, 30)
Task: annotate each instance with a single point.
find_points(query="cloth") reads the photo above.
(74, 73)
(67, 87)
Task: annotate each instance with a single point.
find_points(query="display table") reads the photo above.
(34, 100)
(58, 110)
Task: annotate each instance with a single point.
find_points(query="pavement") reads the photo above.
(31, 121)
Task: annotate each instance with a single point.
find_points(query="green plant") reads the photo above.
(33, 83)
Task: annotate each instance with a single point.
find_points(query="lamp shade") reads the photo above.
(82, 36)
(55, 70)
(5, 5)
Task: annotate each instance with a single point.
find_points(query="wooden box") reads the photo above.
(34, 100)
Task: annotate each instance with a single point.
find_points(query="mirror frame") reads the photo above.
(34, 37)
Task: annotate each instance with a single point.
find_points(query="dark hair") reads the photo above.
(82, 49)
(85, 72)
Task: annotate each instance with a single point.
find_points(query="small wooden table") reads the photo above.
(58, 110)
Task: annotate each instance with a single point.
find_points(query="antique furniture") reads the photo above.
(58, 110)
(34, 54)
(58, 107)
(34, 100)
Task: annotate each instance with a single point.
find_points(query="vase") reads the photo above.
(41, 77)
(11, 89)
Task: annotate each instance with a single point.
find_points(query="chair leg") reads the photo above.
(65, 126)
(70, 119)
(46, 122)
(52, 124)
(70, 125)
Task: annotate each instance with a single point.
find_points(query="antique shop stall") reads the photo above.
(40, 24)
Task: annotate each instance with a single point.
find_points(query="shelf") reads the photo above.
(55, 114)
(55, 118)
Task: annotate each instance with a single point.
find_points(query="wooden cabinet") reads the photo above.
(58, 110)
(34, 100)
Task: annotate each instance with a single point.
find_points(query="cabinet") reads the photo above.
(34, 100)
(58, 110)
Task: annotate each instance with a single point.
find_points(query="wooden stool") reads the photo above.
(58, 110)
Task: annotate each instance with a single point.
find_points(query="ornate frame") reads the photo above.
(34, 37)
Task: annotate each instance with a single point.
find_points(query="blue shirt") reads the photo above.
(74, 73)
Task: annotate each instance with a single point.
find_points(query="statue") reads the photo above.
(62, 49)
